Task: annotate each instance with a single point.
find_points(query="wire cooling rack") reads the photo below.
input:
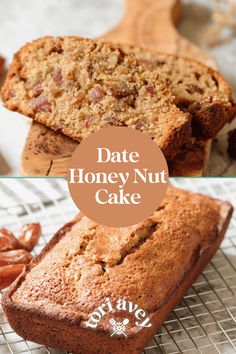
(205, 320)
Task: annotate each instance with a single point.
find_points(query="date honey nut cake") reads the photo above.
(78, 86)
(151, 264)
(198, 89)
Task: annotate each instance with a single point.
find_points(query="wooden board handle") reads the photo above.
(151, 24)
(140, 23)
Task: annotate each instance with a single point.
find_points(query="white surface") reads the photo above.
(24, 20)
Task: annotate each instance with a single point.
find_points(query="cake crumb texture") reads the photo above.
(78, 86)
(197, 89)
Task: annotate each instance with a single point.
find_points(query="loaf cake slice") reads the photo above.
(198, 89)
(78, 86)
(151, 264)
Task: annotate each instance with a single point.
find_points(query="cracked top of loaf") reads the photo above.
(86, 263)
(78, 86)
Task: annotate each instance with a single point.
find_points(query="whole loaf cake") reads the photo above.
(78, 86)
(87, 266)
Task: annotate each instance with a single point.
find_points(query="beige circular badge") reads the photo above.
(118, 176)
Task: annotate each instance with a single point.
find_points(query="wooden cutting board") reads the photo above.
(147, 23)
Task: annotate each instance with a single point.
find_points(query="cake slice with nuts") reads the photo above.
(197, 89)
(78, 86)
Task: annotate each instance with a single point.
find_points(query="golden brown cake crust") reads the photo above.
(198, 89)
(151, 264)
(78, 86)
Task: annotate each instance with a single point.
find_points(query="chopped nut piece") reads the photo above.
(113, 121)
(120, 89)
(194, 89)
(113, 60)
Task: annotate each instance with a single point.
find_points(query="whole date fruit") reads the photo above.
(9, 273)
(8, 241)
(15, 257)
(29, 236)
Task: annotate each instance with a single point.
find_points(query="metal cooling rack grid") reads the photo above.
(205, 320)
(52, 208)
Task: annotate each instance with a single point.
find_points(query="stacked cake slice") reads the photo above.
(77, 86)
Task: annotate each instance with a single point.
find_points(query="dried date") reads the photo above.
(8, 241)
(29, 236)
(15, 257)
(9, 273)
